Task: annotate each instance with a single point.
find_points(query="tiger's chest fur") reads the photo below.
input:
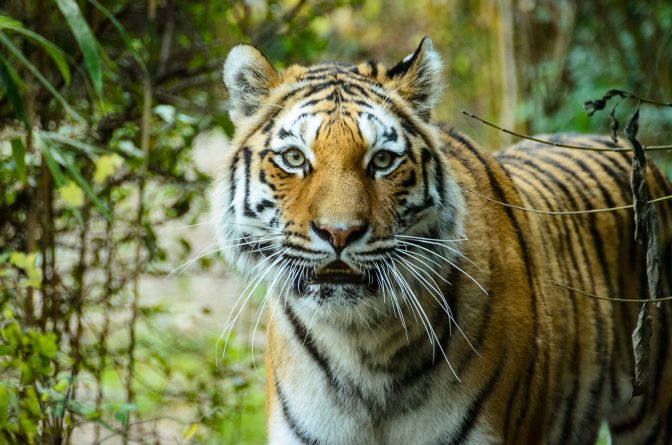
(419, 289)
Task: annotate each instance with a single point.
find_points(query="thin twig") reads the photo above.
(144, 143)
(563, 212)
(555, 144)
(620, 300)
(596, 105)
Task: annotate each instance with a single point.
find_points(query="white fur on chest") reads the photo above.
(329, 416)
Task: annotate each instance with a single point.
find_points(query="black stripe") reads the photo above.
(474, 410)
(664, 187)
(409, 182)
(650, 438)
(617, 167)
(567, 247)
(509, 411)
(596, 389)
(408, 149)
(345, 391)
(298, 431)
(667, 437)
(618, 428)
(662, 346)
(425, 157)
(438, 171)
(263, 205)
(232, 179)
(500, 196)
(304, 337)
(300, 248)
(602, 140)
(374, 68)
(542, 175)
(459, 137)
(247, 209)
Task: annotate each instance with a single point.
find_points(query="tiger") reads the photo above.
(411, 296)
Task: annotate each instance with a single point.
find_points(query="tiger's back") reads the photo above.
(596, 254)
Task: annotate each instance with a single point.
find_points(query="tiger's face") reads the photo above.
(333, 170)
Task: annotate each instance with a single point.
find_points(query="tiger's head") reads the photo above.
(334, 171)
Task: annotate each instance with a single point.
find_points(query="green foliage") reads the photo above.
(26, 362)
(85, 39)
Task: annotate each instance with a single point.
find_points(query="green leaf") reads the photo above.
(28, 264)
(82, 146)
(35, 72)
(123, 411)
(71, 194)
(56, 172)
(46, 345)
(10, 88)
(189, 433)
(55, 53)
(72, 170)
(22, 260)
(122, 32)
(105, 167)
(86, 40)
(19, 154)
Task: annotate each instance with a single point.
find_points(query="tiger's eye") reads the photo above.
(294, 157)
(382, 160)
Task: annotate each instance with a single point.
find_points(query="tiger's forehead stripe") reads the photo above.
(338, 90)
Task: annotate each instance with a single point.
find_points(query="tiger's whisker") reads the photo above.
(452, 249)
(250, 225)
(395, 302)
(451, 263)
(269, 291)
(414, 301)
(246, 299)
(433, 290)
(188, 263)
(433, 239)
(195, 225)
(253, 282)
(449, 312)
(431, 331)
(421, 258)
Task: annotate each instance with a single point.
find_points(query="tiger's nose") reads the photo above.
(339, 236)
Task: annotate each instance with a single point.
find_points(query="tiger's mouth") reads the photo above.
(337, 272)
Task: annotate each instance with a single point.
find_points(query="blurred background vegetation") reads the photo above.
(112, 120)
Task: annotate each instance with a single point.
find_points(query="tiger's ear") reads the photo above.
(417, 78)
(249, 78)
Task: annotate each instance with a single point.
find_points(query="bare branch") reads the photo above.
(620, 300)
(555, 144)
(563, 212)
(592, 106)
